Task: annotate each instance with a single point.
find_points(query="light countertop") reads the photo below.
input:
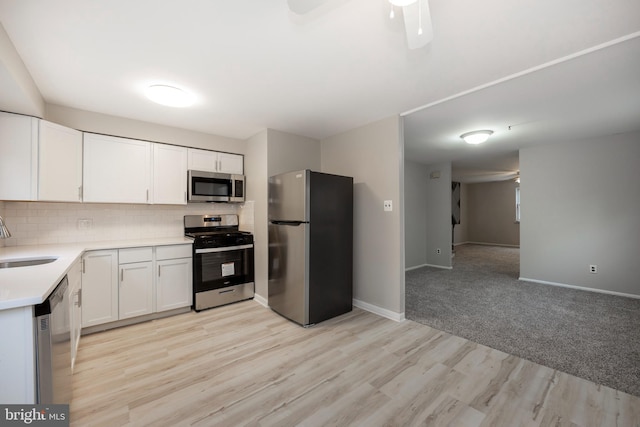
(24, 286)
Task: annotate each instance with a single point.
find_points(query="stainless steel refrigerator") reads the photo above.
(310, 245)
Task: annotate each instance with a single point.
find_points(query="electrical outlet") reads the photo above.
(388, 206)
(85, 223)
(438, 251)
(593, 269)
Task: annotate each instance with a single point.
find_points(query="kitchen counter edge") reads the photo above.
(25, 286)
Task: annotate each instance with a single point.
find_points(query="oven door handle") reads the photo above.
(222, 249)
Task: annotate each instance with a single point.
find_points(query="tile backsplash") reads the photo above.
(41, 223)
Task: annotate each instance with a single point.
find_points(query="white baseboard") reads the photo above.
(398, 317)
(261, 300)
(427, 265)
(581, 288)
(492, 244)
(415, 267)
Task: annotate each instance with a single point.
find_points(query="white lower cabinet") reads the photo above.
(135, 292)
(174, 277)
(99, 287)
(75, 308)
(121, 284)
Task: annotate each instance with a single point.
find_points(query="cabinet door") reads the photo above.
(230, 163)
(75, 311)
(99, 287)
(18, 157)
(60, 163)
(173, 284)
(169, 174)
(202, 160)
(213, 161)
(116, 170)
(136, 289)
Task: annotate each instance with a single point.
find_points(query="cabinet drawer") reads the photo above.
(135, 255)
(173, 251)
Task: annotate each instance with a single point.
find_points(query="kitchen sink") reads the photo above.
(26, 262)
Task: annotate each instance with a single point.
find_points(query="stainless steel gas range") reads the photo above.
(223, 261)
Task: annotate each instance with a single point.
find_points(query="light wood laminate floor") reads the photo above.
(242, 364)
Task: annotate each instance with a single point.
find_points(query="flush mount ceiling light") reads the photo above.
(169, 95)
(476, 137)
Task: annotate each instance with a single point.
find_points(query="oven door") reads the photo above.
(216, 268)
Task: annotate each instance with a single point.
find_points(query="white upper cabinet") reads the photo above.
(116, 170)
(169, 174)
(18, 157)
(202, 160)
(231, 163)
(60, 163)
(212, 161)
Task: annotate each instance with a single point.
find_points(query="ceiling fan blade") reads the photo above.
(414, 15)
(303, 6)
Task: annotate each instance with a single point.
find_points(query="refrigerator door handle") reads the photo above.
(291, 223)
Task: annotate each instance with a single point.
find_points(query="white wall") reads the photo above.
(19, 93)
(269, 153)
(288, 152)
(255, 163)
(461, 231)
(373, 156)
(438, 215)
(119, 126)
(491, 207)
(581, 205)
(415, 214)
(427, 215)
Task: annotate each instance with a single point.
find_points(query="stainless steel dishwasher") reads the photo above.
(53, 347)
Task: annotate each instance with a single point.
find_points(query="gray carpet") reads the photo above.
(586, 334)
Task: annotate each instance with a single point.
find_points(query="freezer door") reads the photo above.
(288, 271)
(288, 199)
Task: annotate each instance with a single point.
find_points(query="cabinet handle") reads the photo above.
(159, 269)
(121, 275)
(84, 270)
(147, 195)
(80, 193)
(78, 302)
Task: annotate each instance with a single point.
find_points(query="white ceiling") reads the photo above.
(596, 93)
(256, 65)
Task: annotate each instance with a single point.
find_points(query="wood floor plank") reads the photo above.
(243, 365)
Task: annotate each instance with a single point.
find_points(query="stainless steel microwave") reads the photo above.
(214, 187)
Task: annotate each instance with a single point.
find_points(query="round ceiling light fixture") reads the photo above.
(476, 136)
(170, 96)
